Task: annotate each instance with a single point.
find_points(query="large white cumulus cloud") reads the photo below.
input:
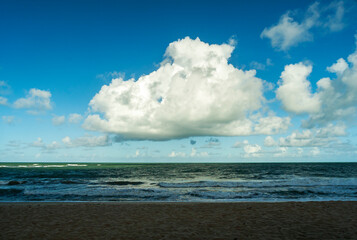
(334, 100)
(339, 96)
(195, 92)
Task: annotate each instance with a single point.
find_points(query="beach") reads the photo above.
(165, 220)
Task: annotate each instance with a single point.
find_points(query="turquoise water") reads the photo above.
(178, 182)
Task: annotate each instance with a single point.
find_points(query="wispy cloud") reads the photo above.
(261, 66)
(289, 32)
(74, 118)
(174, 154)
(4, 88)
(8, 119)
(318, 137)
(3, 100)
(86, 141)
(58, 120)
(37, 101)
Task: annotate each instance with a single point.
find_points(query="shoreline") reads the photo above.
(174, 202)
(179, 220)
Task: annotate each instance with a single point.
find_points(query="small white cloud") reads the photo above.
(304, 139)
(257, 65)
(110, 75)
(318, 137)
(239, 144)
(269, 62)
(252, 150)
(67, 142)
(339, 67)
(38, 143)
(87, 141)
(8, 119)
(326, 137)
(282, 152)
(137, 154)
(289, 32)
(177, 154)
(14, 144)
(204, 154)
(74, 118)
(269, 142)
(37, 101)
(232, 41)
(334, 20)
(331, 131)
(2, 83)
(261, 66)
(272, 125)
(52, 146)
(194, 153)
(4, 88)
(46, 147)
(58, 120)
(315, 151)
(300, 151)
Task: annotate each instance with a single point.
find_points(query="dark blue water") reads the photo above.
(178, 182)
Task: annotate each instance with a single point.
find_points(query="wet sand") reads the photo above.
(289, 220)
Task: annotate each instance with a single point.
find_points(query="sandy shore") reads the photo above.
(292, 220)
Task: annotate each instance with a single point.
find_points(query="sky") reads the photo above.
(178, 81)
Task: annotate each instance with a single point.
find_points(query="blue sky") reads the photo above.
(194, 81)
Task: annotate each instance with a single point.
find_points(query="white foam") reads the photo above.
(44, 166)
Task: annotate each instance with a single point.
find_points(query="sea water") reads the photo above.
(178, 182)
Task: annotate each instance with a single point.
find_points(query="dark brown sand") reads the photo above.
(292, 220)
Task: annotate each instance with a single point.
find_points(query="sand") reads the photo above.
(289, 220)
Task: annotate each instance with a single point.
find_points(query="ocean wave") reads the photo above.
(301, 182)
(43, 165)
(71, 182)
(98, 192)
(198, 184)
(177, 182)
(10, 191)
(218, 195)
(124, 183)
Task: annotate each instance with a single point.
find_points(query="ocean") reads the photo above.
(189, 182)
